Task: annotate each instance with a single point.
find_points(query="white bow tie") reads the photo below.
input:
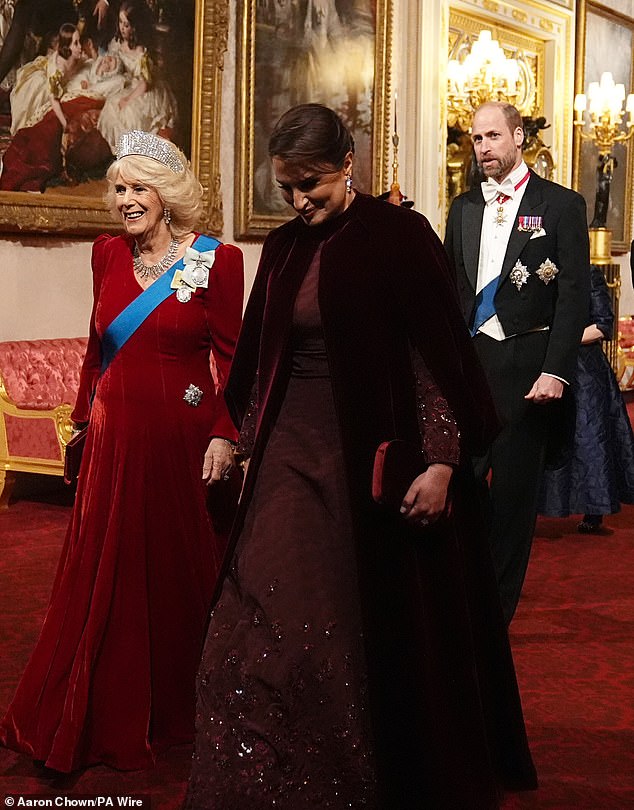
(491, 189)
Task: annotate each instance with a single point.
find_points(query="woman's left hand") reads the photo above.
(426, 499)
(219, 461)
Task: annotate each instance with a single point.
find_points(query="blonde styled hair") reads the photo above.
(181, 192)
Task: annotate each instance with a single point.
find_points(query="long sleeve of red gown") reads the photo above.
(91, 367)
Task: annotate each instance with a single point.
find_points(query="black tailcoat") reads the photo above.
(527, 299)
(562, 304)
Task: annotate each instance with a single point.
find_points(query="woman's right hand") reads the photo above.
(426, 499)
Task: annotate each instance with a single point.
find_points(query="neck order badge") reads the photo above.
(500, 216)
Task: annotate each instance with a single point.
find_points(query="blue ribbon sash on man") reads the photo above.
(485, 307)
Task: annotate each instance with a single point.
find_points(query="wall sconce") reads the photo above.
(485, 74)
(604, 105)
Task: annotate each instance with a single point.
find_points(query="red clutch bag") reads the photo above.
(72, 456)
(396, 464)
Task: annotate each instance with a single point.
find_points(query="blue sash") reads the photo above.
(128, 320)
(485, 307)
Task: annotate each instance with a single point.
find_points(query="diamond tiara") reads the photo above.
(146, 144)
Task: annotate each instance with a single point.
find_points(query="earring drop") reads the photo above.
(349, 184)
(167, 216)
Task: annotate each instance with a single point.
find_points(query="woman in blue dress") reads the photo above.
(599, 476)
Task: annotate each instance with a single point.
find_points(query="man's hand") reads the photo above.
(545, 389)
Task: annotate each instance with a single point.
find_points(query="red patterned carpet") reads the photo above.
(573, 642)
(31, 536)
(573, 639)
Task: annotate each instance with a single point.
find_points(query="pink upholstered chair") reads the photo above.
(38, 386)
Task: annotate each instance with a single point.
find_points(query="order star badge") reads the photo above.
(547, 271)
(519, 275)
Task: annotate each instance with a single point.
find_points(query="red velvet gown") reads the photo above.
(111, 678)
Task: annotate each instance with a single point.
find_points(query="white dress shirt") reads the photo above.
(495, 237)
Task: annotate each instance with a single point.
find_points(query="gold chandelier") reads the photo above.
(485, 74)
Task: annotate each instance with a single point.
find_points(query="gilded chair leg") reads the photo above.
(7, 482)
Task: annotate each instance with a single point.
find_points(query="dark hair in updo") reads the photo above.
(313, 135)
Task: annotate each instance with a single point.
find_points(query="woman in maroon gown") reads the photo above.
(356, 657)
(112, 676)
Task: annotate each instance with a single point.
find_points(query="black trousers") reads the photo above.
(510, 472)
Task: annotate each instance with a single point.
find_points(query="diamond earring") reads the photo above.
(349, 184)
(167, 216)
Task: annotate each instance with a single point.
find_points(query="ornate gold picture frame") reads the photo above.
(605, 40)
(201, 40)
(335, 52)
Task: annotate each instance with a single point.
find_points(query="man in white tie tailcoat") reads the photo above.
(519, 246)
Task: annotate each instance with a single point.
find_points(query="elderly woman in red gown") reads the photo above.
(356, 655)
(111, 679)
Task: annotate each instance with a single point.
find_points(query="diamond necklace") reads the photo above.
(153, 271)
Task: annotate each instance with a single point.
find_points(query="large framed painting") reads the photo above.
(605, 43)
(335, 52)
(75, 74)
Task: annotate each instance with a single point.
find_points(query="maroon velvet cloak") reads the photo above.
(445, 708)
